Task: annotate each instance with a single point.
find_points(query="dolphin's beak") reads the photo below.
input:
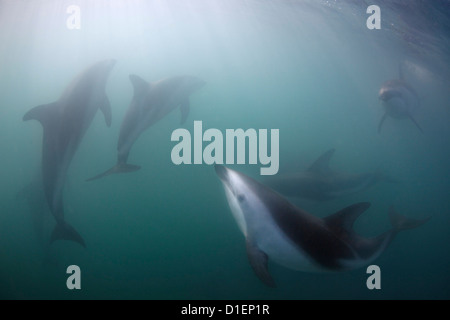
(382, 94)
(222, 172)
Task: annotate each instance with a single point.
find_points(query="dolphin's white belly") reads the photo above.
(281, 250)
(256, 223)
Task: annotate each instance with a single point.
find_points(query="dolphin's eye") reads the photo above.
(241, 197)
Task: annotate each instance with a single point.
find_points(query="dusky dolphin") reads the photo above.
(276, 229)
(64, 123)
(150, 103)
(320, 183)
(399, 99)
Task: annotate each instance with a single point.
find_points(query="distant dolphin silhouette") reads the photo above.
(65, 122)
(399, 100)
(320, 183)
(151, 102)
(276, 229)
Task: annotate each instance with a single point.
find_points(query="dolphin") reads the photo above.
(64, 123)
(276, 229)
(150, 103)
(320, 183)
(399, 100)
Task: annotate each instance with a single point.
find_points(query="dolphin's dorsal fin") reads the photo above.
(258, 260)
(43, 113)
(343, 220)
(139, 84)
(321, 165)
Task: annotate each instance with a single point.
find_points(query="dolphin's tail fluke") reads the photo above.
(118, 168)
(64, 231)
(400, 222)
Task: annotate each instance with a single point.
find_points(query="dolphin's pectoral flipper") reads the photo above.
(415, 122)
(64, 231)
(43, 113)
(118, 168)
(400, 222)
(105, 107)
(321, 165)
(258, 260)
(184, 108)
(381, 121)
(343, 220)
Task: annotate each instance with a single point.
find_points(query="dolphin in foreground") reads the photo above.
(65, 122)
(276, 229)
(399, 100)
(150, 103)
(320, 183)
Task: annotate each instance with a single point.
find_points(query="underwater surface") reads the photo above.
(314, 70)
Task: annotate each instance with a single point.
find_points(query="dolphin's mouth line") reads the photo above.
(223, 174)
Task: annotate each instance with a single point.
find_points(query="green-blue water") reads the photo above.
(311, 69)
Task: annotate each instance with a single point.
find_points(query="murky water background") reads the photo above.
(311, 69)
